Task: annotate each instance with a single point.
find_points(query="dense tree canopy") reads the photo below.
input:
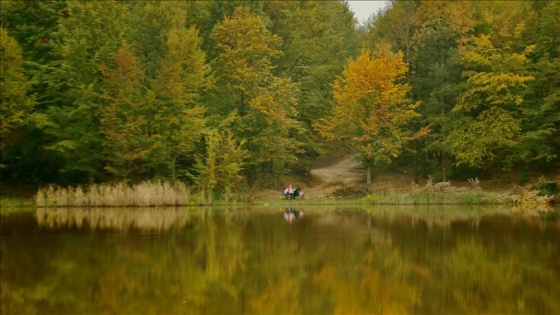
(476, 68)
(221, 92)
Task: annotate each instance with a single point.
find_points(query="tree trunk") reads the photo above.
(173, 173)
(368, 176)
(415, 160)
(424, 159)
(443, 168)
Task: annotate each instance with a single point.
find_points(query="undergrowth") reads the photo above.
(436, 198)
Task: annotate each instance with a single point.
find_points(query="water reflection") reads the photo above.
(210, 261)
(120, 219)
(290, 215)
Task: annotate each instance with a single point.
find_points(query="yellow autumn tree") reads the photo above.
(371, 107)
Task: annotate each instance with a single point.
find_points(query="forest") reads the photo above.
(223, 94)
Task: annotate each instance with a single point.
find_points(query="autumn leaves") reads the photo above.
(371, 107)
(201, 91)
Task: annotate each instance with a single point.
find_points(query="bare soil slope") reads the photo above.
(344, 176)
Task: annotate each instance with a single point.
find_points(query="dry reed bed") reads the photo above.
(146, 194)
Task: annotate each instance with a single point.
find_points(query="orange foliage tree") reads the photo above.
(371, 108)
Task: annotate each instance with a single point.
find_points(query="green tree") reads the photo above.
(150, 23)
(123, 123)
(394, 26)
(543, 103)
(15, 103)
(318, 37)
(437, 74)
(205, 15)
(177, 113)
(88, 37)
(33, 24)
(265, 103)
(219, 167)
(494, 97)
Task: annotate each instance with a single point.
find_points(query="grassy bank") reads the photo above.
(161, 194)
(439, 198)
(417, 198)
(14, 205)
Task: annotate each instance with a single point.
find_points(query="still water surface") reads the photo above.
(306, 260)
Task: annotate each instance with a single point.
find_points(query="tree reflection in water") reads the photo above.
(217, 261)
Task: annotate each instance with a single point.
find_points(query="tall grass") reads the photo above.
(146, 194)
(437, 198)
(442, 193)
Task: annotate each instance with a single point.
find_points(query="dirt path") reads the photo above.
(345, 173)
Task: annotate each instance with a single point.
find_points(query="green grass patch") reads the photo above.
(14, 205)
(436, 198)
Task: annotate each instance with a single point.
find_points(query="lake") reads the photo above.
(281, 260)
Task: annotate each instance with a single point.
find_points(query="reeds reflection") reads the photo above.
(251, 261)
(119, 219)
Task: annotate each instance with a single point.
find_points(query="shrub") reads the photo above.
(547, 189)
